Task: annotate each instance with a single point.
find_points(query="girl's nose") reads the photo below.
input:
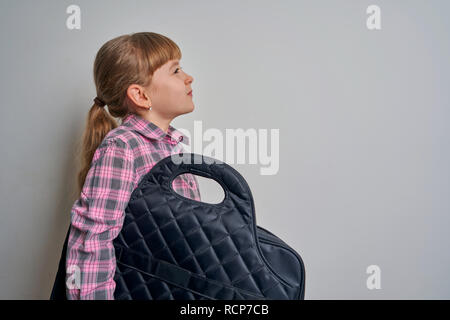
(189, 78)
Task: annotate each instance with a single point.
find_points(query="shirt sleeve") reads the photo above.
(96, 220)
(187, 184)
(196, 188)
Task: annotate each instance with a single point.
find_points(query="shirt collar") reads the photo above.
(152, 131)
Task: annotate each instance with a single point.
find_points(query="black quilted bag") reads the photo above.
(175, 248)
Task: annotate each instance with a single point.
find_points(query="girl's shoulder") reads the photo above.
(112, 145)
(129, 141)
(124, 137)
(120, 140)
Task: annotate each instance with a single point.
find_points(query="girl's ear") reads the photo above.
(136, 94)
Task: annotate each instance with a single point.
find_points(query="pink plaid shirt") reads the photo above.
(126, 154)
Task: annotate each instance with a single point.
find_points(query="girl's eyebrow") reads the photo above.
(174, 64)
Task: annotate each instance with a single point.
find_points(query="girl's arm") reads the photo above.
(97, 219)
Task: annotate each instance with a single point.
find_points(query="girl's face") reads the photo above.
(168, 91)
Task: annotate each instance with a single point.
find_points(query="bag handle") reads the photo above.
(235, 187)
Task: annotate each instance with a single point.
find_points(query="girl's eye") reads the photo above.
(177, 69)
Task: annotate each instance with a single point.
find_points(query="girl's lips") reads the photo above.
(190, 93)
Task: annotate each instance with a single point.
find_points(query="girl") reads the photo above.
(139, 78)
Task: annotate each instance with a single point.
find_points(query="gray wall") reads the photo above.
(364, 141)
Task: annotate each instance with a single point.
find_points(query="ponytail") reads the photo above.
(98, 123)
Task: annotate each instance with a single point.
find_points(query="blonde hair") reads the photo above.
(120, 62)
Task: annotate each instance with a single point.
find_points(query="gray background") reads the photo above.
(364, 141)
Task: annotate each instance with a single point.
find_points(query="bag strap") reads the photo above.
(59, 286)
(181, 277)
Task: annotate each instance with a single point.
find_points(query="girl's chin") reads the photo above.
(188, 109)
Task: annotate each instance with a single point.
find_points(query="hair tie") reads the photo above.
(99, 102)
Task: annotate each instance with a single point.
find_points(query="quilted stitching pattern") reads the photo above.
(172, 247)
